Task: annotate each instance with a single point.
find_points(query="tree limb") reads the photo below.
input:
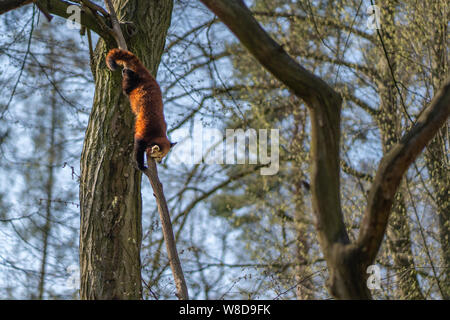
(392, 168)
(175, 265)
(89, 18)
(116, 31)
(8, 5)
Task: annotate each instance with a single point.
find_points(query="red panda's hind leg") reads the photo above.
(138, 154)
(130, 80)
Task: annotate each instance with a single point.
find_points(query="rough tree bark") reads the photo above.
(110, 197)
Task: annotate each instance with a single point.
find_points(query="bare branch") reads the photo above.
(93, 6)
(355, 173)
(392, 168)
(8, 5)
(175, 265)
(116, 31)
(89, 18)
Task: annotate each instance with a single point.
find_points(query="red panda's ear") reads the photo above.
(172, 144)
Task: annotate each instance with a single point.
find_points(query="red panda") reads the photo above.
(146, 102)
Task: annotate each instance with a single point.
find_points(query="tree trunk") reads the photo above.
(110, 194)
(437, 164)
(49, 185)
(302, 270)
(305, 286)
(399, 247)
(437, 157)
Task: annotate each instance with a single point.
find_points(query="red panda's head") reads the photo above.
(159, 148)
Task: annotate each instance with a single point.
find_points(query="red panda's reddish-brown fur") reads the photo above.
(146, 102)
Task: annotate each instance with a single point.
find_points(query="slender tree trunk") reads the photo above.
(399, 247)
(437, 164)
(110, 193)
(49, 196)
(437, 157)
(305, 289)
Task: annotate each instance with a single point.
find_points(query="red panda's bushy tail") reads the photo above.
(124, 58)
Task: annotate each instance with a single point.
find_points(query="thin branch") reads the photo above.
(368, 71)
(187, 34)
(425, 244)
(175, 264)
(8, 5)
(89, 19)
(360, 103)
(116, 30)
(44, 11)
(21, 68)
(355, 173)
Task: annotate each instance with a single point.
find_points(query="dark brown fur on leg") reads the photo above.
(130, 80)
(139, 150)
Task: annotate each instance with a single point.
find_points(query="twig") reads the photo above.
(21, 68)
